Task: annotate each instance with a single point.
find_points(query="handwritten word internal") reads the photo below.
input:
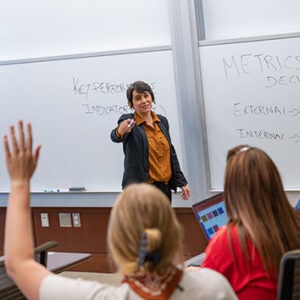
(266, 135)
(260, 134)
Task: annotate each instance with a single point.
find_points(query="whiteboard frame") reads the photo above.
(84, 55)
(189, 91)
(290, 35)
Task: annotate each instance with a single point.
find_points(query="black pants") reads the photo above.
(164, 188)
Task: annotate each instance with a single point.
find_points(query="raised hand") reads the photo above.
(21, 162)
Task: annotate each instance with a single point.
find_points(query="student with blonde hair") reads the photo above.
(143, 235)
(262, 225)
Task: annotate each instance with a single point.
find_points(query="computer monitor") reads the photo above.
(211, 214)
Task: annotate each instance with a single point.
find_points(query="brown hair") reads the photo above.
(142, 208)
(140, 87)
(257, 204)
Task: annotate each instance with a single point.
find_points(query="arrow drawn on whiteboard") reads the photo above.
(295, 112)
(296, 137)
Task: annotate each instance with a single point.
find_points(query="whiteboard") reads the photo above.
(251, 94)
(236, 18)
(73, 105)
(34, 28)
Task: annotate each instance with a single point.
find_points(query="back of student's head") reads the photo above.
(252, 183)
(256, 202)
(143, 232)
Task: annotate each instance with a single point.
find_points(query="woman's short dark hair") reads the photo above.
(140, 87)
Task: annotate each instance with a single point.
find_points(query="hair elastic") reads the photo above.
(144, 255)
(143, 251)
(243, 149)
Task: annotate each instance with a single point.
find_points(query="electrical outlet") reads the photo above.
(76, 219)
(44, 220)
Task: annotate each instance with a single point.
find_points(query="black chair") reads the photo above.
(8, 289)
(289, 276)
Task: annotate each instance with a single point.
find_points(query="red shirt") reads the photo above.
(249, 280)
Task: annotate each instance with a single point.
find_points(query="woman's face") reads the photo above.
(142, 102)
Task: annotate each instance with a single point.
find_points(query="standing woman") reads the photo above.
(262, 226)
(149, 154)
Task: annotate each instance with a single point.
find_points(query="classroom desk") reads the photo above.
(195, 261)
(59, 261)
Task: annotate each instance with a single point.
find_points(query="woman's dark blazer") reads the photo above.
(136, 152)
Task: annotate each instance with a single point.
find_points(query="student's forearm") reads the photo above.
(19, 245)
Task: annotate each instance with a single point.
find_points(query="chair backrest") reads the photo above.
(289, 276)
(8, 289)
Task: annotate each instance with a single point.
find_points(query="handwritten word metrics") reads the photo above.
(246, 64)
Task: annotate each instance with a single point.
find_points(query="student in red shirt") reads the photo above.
(262, 225)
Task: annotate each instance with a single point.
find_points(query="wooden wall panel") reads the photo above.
(91, 236)
(195, 241)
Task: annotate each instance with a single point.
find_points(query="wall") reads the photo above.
(91, 236)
